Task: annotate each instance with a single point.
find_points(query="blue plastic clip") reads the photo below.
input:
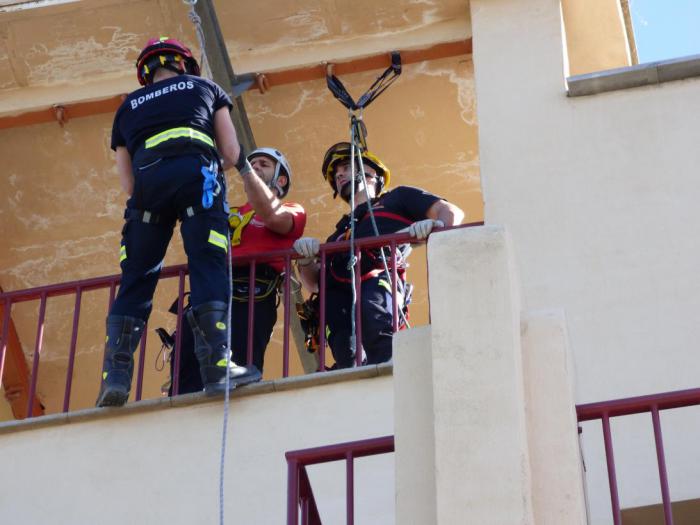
(211, 187)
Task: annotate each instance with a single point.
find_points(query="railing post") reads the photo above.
(112, 294)
(142, 359)
(358, 307)
(287, 298)
(292, 492)
(71, 351)
(5, 335)
(322, 313)
(178, 334)
(37, 352)
(661, 459)
(350, 487)
(394, 290)
(251, 313)
(612, 478)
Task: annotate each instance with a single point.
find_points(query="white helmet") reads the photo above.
(281, 164)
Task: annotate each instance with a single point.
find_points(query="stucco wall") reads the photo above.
(599, 195)
(162, 466)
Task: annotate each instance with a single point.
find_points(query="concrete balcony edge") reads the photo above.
(264, 387)
(652, 73)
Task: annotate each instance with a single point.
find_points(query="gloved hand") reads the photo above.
(308, 247)
(421, 229)
(242, 162)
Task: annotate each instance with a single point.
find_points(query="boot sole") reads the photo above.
(113, 398)
(219, 388)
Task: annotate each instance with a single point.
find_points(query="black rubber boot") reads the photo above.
(123, 336)
(208, 322)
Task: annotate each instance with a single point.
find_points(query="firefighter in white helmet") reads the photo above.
(262, 224)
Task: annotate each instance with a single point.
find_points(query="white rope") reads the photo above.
(222, 460)
(197, 21)
(352, 261)
(206, 71)
(363, 180)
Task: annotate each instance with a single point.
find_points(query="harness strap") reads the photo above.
(238, 222)
(191, 211)
(132, 214)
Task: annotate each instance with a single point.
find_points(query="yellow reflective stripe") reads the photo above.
(176, 133)
(385, 284)
(222, 363)
(122, 253)
(218, 240)
(237, 223)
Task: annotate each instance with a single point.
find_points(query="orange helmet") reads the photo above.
(164, 52)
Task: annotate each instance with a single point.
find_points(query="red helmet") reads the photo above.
(164, 52)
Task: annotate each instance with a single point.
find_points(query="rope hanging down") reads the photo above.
(197, 22)
(358, 145)
(206, 71)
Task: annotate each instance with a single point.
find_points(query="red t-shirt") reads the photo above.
(257, 238)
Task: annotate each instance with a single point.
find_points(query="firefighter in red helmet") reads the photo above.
(173, 138)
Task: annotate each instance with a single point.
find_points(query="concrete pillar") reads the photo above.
(413, 427)
(557, 476)
(482, 467)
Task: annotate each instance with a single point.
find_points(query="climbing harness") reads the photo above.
(238, 221)
(308, 312)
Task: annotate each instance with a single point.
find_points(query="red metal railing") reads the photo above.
(638, 405)
(300, 496)
(43, 293)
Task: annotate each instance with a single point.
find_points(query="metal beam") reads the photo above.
(222, 70)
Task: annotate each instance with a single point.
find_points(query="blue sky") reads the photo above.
(666, 29)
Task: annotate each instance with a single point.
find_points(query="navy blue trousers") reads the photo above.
(377, 315)
(265, 317)
(166, 188)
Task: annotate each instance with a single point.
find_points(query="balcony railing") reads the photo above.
(78, 288)
(652, 404)
(300, 497)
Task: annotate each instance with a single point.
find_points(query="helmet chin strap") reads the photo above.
(358, 181)
(273, 182)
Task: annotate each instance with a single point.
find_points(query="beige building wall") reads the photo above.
(161, 466)
(596, 35)
(599, 196)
